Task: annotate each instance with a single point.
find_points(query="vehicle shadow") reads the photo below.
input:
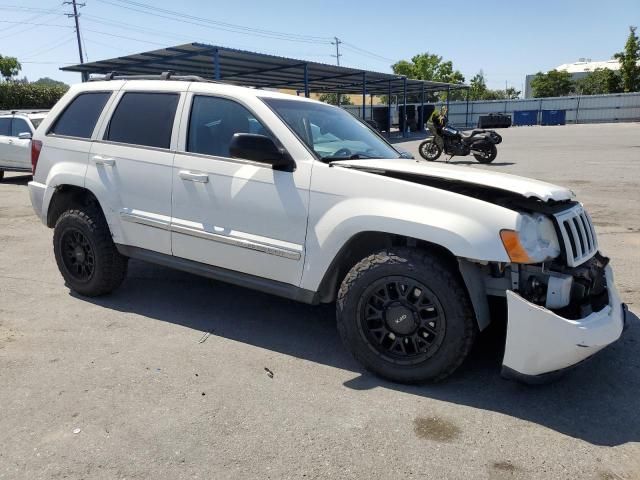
(16, 180)
(473, 162)
(596, 402)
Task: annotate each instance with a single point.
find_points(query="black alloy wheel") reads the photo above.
(78, 255)
(401, 320)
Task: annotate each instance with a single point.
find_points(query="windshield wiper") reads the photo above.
(355, 156)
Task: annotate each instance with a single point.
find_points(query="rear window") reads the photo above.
(5, 126)
(144, 119)
(80, 117)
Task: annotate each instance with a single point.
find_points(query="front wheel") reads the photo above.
(405, 316)
(487, 155)
(429, 150)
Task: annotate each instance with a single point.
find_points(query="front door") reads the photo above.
(233, 213)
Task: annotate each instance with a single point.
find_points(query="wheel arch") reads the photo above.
(364, 244)
(67, 196)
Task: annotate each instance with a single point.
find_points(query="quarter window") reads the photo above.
(144, 119)
(19, 126)
(214, 121)
(80, 117)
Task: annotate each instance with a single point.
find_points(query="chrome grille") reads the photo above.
(578, 235)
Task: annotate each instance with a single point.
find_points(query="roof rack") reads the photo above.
(169, 75)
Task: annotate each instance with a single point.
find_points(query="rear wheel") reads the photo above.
(487, 155)
(405, 316)
(429, 150)
(85, 253)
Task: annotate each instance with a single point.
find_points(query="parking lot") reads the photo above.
(167, 377)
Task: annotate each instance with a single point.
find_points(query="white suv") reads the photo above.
(16, 130)
(298, 198)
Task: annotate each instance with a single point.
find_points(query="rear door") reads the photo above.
(20, 149)
(131, 163)
(5, 138)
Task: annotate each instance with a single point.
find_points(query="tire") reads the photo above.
(85, 253)
(1, 175)
(488, 157)
(440, 290)
(429, 150)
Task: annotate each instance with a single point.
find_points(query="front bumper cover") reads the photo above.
(541, 344)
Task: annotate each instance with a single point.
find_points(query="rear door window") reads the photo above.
(19, 126)
(144, 119)
(5, 126)
(214, 121)
(80, 117)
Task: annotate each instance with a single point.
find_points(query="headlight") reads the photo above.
(535, 240)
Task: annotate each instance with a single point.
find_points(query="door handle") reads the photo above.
(193, 177)
(10, 141)
(106, 161)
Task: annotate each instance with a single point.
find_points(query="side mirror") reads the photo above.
(260, 148)
(25, 136)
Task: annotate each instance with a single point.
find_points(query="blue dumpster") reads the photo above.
(525, 117)
(554, 117)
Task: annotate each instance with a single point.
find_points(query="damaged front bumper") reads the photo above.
(541, 344)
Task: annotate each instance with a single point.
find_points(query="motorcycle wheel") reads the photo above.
(487, 156)
(429, 150)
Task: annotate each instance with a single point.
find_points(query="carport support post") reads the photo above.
(466, 116)
(389, 111)
(421, 116)
(216, 64)
(306, 80)
(364, 94)
(404, 102)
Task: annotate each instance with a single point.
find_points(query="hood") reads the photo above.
(526, 187)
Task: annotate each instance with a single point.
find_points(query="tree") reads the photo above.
(601, 80)
(50, 82)
(428, 66)
(478, 90)
(629, 68)
(552, 84)
(332, 99)
(9, 67)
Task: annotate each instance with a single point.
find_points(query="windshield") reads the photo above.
(330, 131)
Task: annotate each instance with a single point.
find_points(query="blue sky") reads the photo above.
(506, 39)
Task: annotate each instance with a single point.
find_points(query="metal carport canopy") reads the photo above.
(246, 68)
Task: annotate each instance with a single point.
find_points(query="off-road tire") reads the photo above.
(492, 156)
(110, 267)
(446, 285)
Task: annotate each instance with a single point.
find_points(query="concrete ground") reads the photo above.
(166, 377)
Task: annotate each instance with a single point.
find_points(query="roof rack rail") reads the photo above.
(169, 75)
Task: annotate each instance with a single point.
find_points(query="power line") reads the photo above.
(207, 23)
(362, 51)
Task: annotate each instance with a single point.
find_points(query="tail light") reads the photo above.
(36, 147)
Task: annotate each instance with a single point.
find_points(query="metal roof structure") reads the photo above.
(241, 67)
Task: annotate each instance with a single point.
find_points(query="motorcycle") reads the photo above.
(480, 143)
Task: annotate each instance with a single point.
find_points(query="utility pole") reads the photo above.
(338, 54)
(75, 16)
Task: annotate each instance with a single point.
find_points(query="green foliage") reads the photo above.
(50, 82)
(9, 67)
(332, 99)
(428, 66)
(20, 95)
(602, 80)
(552, 84)
(629, 68)
(478, 90)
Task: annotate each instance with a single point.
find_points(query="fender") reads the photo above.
(349, 205)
